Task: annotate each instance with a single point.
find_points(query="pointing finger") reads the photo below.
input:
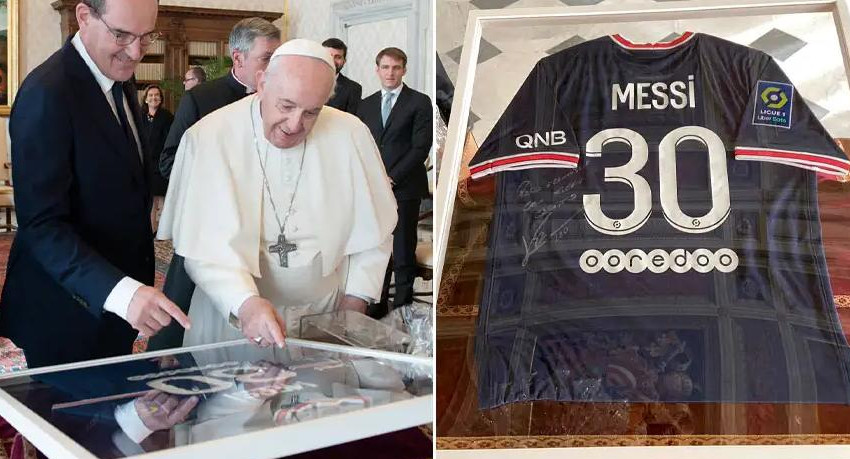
(175, 312)
(277, 334)
(183, 409)
(282, 324)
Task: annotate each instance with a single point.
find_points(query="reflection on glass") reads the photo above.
(152, 404)
(576, 298)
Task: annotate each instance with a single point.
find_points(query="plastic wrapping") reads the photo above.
(418, 320)
(353, 329)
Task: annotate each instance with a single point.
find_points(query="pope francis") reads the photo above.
(280, 205)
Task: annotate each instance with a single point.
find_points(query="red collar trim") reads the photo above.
(660, 45)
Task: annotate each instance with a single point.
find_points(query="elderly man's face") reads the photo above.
(120, 17)
(291, 98)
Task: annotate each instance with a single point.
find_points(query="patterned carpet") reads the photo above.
(11, 357)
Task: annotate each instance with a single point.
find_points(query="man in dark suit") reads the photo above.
(347, 91)
(252, 42)
(401, 123)
(80, 268)
(194, 76)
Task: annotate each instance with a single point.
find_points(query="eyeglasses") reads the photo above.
(123, 38)
(186, 80)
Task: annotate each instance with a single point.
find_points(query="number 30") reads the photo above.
(628, 174)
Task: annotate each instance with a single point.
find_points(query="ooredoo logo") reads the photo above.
(659, 261)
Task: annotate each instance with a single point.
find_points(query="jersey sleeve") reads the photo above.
(533, 132)
(778, 127)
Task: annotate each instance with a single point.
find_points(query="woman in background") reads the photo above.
(156, 121)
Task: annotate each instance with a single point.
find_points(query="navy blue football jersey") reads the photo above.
(656, 233)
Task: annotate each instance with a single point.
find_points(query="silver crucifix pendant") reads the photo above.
(282, 249)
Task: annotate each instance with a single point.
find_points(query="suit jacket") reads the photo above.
(197, 103)
(154, 133)
(405, 141)
(83, 207)
(346, 94)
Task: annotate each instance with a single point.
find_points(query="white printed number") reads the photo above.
(628, 174)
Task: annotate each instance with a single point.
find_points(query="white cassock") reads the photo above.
(219, 215)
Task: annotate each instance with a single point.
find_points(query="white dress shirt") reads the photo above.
(119, 298)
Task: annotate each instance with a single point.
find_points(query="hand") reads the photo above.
(259, 319)
(150, 310)
(160, 411)
(167, 361)
(272, 381)
(352, 303)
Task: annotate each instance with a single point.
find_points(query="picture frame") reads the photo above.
(9, 58)
(50, 438)
(452, 163)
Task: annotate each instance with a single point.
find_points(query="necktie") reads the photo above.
(118, 97)
(386, 107)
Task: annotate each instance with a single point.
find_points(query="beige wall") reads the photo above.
(310, 19)
(40, 36)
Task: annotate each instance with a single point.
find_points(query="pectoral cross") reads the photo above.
(282, 249)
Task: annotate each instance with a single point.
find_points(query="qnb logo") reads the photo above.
(546, 139)
(659, 261)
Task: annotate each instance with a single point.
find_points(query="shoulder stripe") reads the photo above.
(525, 161)
(812, 161)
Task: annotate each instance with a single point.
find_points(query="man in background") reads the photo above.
(252, 42)
(81, 268)
(347, 92)
(194, 76)
(400, 120)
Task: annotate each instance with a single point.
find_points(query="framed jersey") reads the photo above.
(648, 183)
(655, 235)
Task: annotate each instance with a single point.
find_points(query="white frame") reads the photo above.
(298, 438)
(453, 153)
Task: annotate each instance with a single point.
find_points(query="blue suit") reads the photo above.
(83, 206)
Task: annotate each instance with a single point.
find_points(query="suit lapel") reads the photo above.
(371, 108)
(341, 86)
(98, 108)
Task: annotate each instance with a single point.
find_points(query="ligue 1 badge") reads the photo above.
(773, 104)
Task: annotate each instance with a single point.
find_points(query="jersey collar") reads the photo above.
(685, 37)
